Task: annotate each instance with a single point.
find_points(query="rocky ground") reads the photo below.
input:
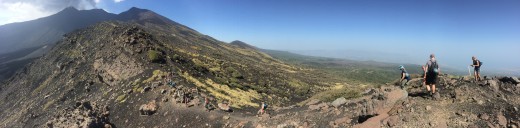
(458, 103)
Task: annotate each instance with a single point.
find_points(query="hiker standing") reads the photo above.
(405, 77)
(432, 72)
(476, 64)
(263, 107)
(207, 105)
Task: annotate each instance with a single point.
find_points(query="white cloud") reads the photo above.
(25, 10)
(19, 11)
(117, 1)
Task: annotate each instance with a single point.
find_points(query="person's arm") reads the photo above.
(426, 71)
(478, 64)
(402, 77)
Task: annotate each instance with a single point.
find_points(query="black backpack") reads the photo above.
(480, 62)
(434, 67)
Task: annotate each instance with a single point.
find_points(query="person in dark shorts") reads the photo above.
(476, 64)
(432, 72)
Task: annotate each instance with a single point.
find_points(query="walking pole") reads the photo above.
(469, 71)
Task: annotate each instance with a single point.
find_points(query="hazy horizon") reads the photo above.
(454, 30)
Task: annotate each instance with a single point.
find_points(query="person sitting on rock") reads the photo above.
(262, 110)
(405, 77)
(476, 64)
(432, 72)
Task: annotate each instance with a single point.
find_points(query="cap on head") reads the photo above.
(401, 67)
(432, 55)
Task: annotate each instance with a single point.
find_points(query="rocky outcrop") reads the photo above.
(82, 115)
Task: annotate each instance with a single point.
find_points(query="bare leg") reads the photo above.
(433, 88)
(476, 76)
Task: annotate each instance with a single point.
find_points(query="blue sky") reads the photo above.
(453, 29)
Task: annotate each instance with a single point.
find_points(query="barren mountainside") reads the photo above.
(116, 64)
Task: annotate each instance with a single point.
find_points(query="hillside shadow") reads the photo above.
(418, 94)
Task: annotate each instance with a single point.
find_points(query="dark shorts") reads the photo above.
(431, 79)
(477, 69)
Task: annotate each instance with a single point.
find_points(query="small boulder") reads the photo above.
(225, 117)
(393, 121)
(501, 119)
(338, 102)
(428, 108)
(224, 107)
(493, 84)
(148, 109)
(163, 91)
(515, 80)
(145, 89)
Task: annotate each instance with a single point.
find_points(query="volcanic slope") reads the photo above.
(121, 65)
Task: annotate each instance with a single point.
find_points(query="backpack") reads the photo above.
(434, 67)
(480, 62)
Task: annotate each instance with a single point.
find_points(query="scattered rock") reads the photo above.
(484, 116)
(163, 91)
(501, 119)
(338, 102)
(393, 121)
(480, 102)
(129, 91)
(145, 89)
(437, 96)
(428, 108)
(83, 114)
(148, 109)
(225, 117)
(493, 84)
(224, 107)
(516, 80)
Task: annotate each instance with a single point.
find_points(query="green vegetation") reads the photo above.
(121, 98)
(354, 72)
(156, 75)
(340, 90)
(155, 56)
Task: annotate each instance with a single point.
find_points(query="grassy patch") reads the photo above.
(121, 98)
(155, 56)
(156, 75)
(237, 97)
(331, 94)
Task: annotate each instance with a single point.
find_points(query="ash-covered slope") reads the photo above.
(119, 66)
